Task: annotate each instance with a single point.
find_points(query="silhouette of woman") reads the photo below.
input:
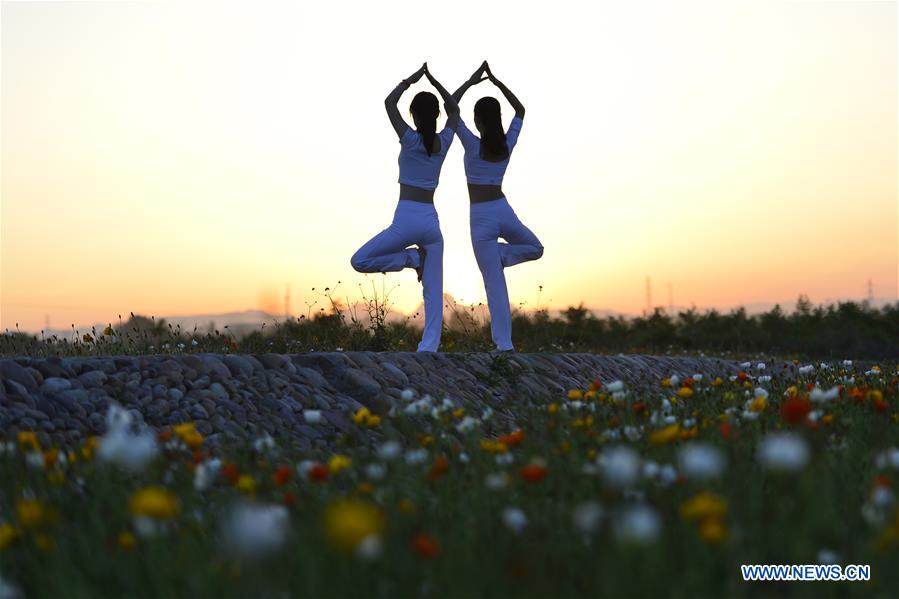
(491, 216)
(415, 222)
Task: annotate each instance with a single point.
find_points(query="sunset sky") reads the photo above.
(173, 158)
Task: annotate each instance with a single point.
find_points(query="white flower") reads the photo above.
(615, 386)
(689, 422)
(697, 377)
(304, 467)
(847, 363)
(467, 424)
(632, 432)
(463, 457)
(638, 524)
(674, 380)
(759, 392)
(375, 471)
(745, 365)
(448, 404)
(9, 590)
(888, 458)
(783, 452)
(765, 378)
(264, 443)
(650, 469)
(312, 416)
(760, 366)
(819, 395)
(620, 466)
(514, 519)
(7, 448)
(390, 450)
(504, 459)
(35, 459)
(496, 481)
(194, 342)
(882, 497)
(667, 474)
(488, 413)
(587, 516)
(823, 366)
(407, 395)
(749, 415)
(205, 473)
(416, 456)
(122, 447)
(808, 369)
(370, 548)
(701, 460)
(253, 530)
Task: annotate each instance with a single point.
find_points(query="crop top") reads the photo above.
(416, 167)
(478, 170)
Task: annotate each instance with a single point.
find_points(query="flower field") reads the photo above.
(603, 492)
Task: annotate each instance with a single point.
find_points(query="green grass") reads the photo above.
(771, 517)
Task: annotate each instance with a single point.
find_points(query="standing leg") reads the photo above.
(487, 254)
(522, 245)
(432, 290)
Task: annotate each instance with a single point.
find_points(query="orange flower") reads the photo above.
(426, 546)
(165, 435)
(534, 472)
(281, 476)
(438, 469)
(231, 473)
(513, 438)
(595, 385)
(741, 376)
(795, 409)
(639, 407)
(318, 472)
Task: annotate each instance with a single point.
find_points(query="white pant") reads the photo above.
(489, 221)
(414, 223)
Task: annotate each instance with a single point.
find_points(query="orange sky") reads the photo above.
(175, 158)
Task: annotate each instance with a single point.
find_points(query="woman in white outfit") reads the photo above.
(415, 222)
(491, 216)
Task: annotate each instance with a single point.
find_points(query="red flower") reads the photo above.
(318, 472)
(533, 472)
(880, 405)
(290, 499)
(724, 428)
(282, 474)
(639, 407)
(231, 473)
(426, 546)
(795, 409)
(741, 376)
(688, 381)
(513, 438)
(809, 386)
(438, 469)
(882, 481)
(595, 385)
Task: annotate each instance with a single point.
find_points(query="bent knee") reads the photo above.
(358, 262)
(538, 252)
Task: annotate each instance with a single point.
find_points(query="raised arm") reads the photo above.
(473, 80)
(391, 101)
(449, 104)
(517, 106)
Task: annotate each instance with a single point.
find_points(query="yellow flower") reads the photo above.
(154, 502)
(685, 392)
(792, 391)
(43, 542)
(747, 384)
(184, 429)
(713, 531)
(758, 404)
(582, 422)
(347, 522)
(51, 456)
(459, 413)
(875, 395)
(193, 439)
(553, 408)
(575, 394)
(31, 513)
(72, 457)
(491, 446)
(666, 382)
(717, 382)
(703, 506)
(246, 484)
(28, 441)
(126, 540)
(87, 451)
(361, 415)
(373, 421)
(406, 506)
(665, 435)
(426, 440)
(338, 462)
(8, 535)
(590, 395)
(827, 418)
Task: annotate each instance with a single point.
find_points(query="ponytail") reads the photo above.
(493, 138)
(424, 109)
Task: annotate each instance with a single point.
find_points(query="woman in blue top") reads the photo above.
(422, 151)
(491, 216)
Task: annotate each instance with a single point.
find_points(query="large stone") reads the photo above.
(54, 385)
(11, 370)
